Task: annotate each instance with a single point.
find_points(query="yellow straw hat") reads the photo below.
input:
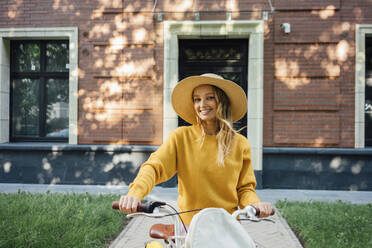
(183, 104)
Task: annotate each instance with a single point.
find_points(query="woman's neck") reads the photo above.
(210, 127)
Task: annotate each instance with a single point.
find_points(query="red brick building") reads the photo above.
(112, 64)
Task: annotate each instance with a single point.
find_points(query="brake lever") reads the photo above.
(251, 213)
(151, 215)
(258, 220)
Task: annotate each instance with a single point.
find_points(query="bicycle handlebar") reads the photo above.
(147, 207)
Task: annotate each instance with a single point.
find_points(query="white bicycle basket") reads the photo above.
(215, 227)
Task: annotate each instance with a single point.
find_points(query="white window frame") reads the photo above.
(361, 31)
(252, 30)
(8, 34)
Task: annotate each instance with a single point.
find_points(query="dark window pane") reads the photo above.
(233, 76)
(27, 57)
(39, 98)
(57, 59)
(25, 110)
(212, 53)
(57, 108)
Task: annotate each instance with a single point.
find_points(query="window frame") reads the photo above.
(43, 77)
(50, 33)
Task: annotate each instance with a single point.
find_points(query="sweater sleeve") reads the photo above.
(247, 181)
(160, 167)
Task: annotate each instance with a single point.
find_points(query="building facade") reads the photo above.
(86, 85)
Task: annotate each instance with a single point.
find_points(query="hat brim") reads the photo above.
(182, 101)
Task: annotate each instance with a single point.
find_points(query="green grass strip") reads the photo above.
(58, 220)
(336, 225)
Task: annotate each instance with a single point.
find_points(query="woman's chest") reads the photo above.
(203, 164)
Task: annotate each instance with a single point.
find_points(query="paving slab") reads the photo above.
(136, 234)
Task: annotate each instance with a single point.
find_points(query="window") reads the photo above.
(39, 99)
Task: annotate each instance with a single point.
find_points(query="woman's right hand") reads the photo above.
(128, 204)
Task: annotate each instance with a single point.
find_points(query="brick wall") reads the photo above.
(313, 92)
(309, 73)
(120, 93)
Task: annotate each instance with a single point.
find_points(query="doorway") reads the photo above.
(368, 93)
(225, 57)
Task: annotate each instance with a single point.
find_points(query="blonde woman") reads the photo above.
(212, 161)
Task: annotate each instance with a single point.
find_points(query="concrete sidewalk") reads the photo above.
(265, 234)
(165, 194)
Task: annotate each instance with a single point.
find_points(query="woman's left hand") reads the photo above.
(266, 209)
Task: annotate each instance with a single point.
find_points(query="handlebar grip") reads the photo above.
(147, 207)
(115, 205)
(258, 212)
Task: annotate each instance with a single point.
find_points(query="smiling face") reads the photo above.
(205, 103)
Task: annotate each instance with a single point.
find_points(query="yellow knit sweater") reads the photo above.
(202, 182)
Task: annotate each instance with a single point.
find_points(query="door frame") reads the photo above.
(216, 65)
(251, 30)
(361, 31)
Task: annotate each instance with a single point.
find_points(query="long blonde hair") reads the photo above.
(225, 134)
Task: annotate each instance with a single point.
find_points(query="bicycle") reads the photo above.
(200, 234)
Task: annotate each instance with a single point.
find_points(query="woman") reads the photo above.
(213, 161)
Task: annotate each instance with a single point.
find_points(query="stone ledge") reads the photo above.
(322, 151)
(30, 146)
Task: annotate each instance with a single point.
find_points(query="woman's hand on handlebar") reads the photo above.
(265, 209)
(128, 204)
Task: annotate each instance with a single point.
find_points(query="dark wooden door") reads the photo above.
(228, 58)
(368, 93)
